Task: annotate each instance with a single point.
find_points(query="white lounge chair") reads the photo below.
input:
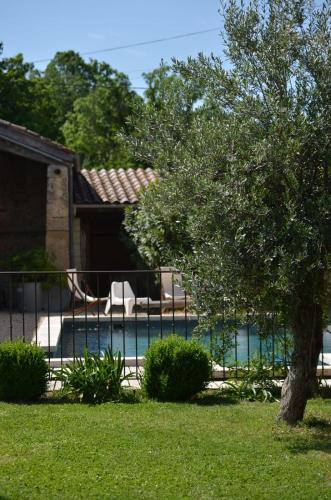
(171, 281)
(79, 294)
(121, 294)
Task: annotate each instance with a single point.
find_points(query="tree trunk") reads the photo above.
(301, 382)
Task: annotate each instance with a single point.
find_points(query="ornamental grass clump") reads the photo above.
(94, 379)
(175, 369)
(255, 381)
(23, 372)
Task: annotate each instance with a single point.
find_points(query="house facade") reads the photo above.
(47, 201)
(36, 194)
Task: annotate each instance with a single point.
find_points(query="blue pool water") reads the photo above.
(133, 338)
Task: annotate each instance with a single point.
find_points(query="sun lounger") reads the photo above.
(171, 284)
(121, 294)
(78, 294)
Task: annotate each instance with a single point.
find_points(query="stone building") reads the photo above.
(47, 201)
(36, 194)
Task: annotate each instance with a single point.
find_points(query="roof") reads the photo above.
(113, 186)
(19, 140)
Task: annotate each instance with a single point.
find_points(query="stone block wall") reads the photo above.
(57, 218)
(22, 205)
(77, 241)
(34, 208)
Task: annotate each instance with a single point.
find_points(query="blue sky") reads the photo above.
(39, 28)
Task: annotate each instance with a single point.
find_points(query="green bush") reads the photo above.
(94, 379)
(175, 369)
(37, 259)
(23, 372)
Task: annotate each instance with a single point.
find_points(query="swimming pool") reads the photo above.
(132, 338)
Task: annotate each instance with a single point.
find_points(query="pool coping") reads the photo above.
(218, 372)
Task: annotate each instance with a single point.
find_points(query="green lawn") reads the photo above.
(154, 450)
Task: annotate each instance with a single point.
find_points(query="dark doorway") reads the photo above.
(108, 248)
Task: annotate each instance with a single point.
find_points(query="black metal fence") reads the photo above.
(68, 312)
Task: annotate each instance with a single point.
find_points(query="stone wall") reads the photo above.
(77, 242)
(57, 219)
(22, 205)
(34, 208)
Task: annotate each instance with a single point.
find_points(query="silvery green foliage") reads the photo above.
(243, 202)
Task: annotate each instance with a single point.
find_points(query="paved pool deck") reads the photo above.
(135, 384)
(15, 325)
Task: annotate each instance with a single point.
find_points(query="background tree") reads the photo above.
(243, 202)
(68, 77)
(169, 105)
(82, 104)
(166, 86)
(92, 127)
(19, 93)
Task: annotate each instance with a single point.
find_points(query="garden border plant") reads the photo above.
(23, 371)
(175, 369)
(255, 380)
(94, 378)
(37, 259)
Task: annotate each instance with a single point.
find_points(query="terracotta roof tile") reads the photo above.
(113, 186)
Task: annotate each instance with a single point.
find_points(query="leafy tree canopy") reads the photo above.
(82, 104)
(171, 101)
(243, 202)
(92, 127)
(19, 83)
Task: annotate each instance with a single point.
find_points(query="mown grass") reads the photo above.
(206, 449)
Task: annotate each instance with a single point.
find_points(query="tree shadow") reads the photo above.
(43, 400)
(313, 434)
(325, 392)
(321, 424)
(212, 399)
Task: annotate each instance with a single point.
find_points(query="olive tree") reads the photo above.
(244, 196)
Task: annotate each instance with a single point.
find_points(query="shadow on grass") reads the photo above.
(319, 423)
(58, 398)
(314, 434)
(213, 398)
(44, 400)
(325, 392)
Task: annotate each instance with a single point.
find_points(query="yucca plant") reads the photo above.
(245, 389)
(256, 380)
(240, 390)
(94, 379)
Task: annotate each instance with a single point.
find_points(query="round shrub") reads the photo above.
(175, 369)
(23, 372)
